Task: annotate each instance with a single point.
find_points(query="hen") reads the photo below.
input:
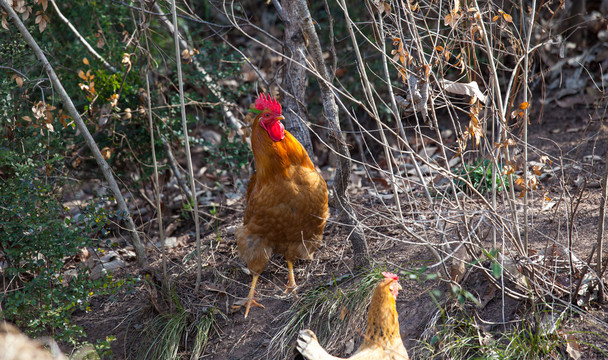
(286, 199)
(382, 340)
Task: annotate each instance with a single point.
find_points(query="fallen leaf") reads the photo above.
(572, 347)
(549, 205)
(470, 89)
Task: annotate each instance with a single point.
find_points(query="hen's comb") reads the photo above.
(389, 275)
(264, 102)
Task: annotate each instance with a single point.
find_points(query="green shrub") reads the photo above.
(37, 244)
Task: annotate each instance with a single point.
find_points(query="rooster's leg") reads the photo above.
(291, 283)
(250, 300)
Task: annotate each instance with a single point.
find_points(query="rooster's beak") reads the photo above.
(280, 117)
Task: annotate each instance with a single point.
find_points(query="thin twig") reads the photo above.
(209, 82)
(525, 123)
(156, 183)
(194, 199)
(82, 40)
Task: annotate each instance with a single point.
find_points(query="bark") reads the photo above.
(71, 109)
(336, 137)
(295, 76)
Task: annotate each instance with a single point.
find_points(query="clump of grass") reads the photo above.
(333, 313)
(167, 335)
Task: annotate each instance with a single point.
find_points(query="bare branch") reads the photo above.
(176, 39)
(82, 40)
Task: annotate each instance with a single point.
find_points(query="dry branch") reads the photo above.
(82, 40)
(194, 199)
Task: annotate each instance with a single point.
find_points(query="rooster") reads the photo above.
(382, 340)
(286, 206)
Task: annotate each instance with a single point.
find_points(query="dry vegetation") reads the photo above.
(472, 136)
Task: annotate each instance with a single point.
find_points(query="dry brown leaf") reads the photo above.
(126, 59)
(4, 22)
(44, 3)
(26, 14)
(572, 347)
(106, 152)
(470, 89)
(18, 79)
(458, 268)
(62, 118)
(100, 41)
(114, 99)
(487, 296)
(76, 162)
(42, 20)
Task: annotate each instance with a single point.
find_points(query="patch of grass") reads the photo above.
(167, 335)
(333, 313)
(480, 175)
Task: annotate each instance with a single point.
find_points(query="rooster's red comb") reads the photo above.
(389, 275)
(264, 102)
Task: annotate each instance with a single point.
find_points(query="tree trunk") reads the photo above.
(357, 236)
(294, 77)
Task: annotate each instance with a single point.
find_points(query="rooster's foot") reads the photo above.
(291, 289)
(248, 303)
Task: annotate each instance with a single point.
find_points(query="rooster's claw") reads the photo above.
(247, 303)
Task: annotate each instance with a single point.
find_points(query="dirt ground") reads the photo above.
(576, 135)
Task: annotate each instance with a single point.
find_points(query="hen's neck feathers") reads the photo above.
(382, 320)
(275, 158)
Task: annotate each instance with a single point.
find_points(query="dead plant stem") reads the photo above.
(194, 199)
